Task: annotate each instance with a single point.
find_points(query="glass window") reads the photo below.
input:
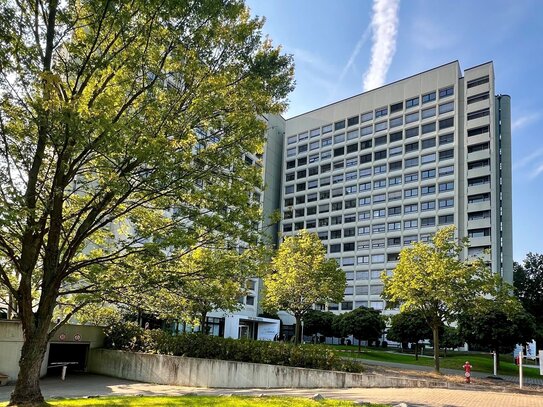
(351, 135)
(478, 81)
(394, 181)
(446, 154)
(366, 117)
(326, 141)
(339, 125)
(408, 193)
(395, 195)
(429, 113)
(413, 208)
(364, 131)
(446, 139)
(428, 128)
(396, 107)
(291, 152)
(339, 138)
(428, 143)
(413, 177)
(412, 132)
(410, 224)
(427, 206)
(412, 102)
(380, 126)
(397, 136)
(428, 158)
(395, 150)
(446, 186)
(428, 189)
(381, 112)
(446, 123)
(425, 222)
(446, 219)
(428, 174)
(326, 129)
(412, 117)
(397, 121)
(448, 91)
(351, 121)
(429, 97)
(315, 132)
(411, 162)
(446, 107)
(292, 139)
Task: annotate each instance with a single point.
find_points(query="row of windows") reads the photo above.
(397, 136)
(375, 228)
(381, 112)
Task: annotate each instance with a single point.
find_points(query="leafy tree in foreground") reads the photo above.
(528, 283)
(302, 276)
(319, 322)
(364, 324)
(113, 113)
(497, 325)
(409, 327)
(431, 279)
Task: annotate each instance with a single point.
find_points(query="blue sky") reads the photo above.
(331, 42)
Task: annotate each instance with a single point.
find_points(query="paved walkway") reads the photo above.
(452, 372)
(93, 385)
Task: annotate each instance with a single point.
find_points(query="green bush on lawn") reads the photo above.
(130, 337)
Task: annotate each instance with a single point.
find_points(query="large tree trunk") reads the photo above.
(27, 389)
(435, 332)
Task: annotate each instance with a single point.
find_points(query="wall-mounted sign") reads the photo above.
(62, 337)
(77, 337)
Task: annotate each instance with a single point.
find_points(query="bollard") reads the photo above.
(64, 372)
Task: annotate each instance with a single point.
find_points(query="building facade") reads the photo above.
(375, 172)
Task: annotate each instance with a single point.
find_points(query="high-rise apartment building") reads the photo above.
(380, 170)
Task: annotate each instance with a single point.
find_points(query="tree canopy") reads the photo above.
(318, 322)
(363, 323)
(409, 327)
(123, 130)
(528, 283)
(431, 278)
(302, 276)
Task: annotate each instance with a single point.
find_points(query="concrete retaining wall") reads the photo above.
(182, 371)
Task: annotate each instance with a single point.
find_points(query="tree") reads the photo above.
(302, 276)
(362, 323)
(451, 338)
(409, 327)
(123, 130)
(319, 322)
(432, 279)
(528, 283)
(497, 325)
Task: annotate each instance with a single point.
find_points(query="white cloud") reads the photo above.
(528, 159)
(537, 171)
(384, 24)
(525, 120)
(355, 53)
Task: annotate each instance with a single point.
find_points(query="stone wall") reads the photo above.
(182, 371)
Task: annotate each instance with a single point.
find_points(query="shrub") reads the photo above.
(130, 337)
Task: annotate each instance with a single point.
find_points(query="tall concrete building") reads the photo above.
(375, 172)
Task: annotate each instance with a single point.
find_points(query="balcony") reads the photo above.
(478, 89)
(479, 223)
(481, 121)
(479, 241)
(479, 206)
(479, 155)
(479, 189)
(479, 172)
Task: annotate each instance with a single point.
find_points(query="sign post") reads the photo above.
(541, 362)
(520, 357)
(495, 357)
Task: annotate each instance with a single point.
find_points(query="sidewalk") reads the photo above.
(452, 372)
(93, 385)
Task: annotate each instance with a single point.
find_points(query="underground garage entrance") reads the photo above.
(67, 357)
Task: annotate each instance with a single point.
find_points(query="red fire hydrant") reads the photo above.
(467, 369)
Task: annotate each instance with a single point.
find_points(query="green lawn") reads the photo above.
(481, 362)
(202, 401)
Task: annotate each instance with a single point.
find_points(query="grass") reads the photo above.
(202, 401)
(481, 362)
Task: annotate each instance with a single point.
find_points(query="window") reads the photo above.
(446, 123)
(350, 219)
(350, 175)
(348, 247)
(479, 215)
(380, 155)
(407, 240)
(351, 121)
(394, 196)
(291, 152)
(381, 112)
(335, 248)
(351, 162)
(428, 97)
(412, 117)
(302, 161)
(350, 203)
(315, 133)
(289, 189)
(326, 155)
(378, 228)
(444, 92)
(380, 140)
(446, 219)
(396, 107)
(479, 198)
(298, 225)
(351, 148)
(312, 184)
(428, 174)
(364, 172)
(397, 121)
(300, 199)
(335, 234)
(310, 224)
(410, 224)
(446, 186)
(411, 162)
(323, 222)
(339, 164)
(380, 126)
(446, 203)
(379, 213)
(292, 139)
(397, 136)
(337, 178)
(324, 208)
(428, 158)
(324, 181)
(339, 125)
(478, 147)
(302, 136)
(340, 138)
(337, 206)
(366, 186)
(413, 177)
(311, 210)
(478, 114)
(478, 131)
(408, 193)
(446, 107)
(396, 165)
(425, 222)
(337, 192)
(428, 143)
(394, 226)
(379, 198)
(447, 170)
(477, 82)
(351, 135)
(325, 168)
(377, 258)
(428, 128)
(313, 171)
(412, 132)
(478, 164)
(411, 102)
(350, 190)
(365, 158)
(347, 261)
(446, 139)
(413, 208)
(379, 169)
(427, 206)
(394, 241)
(478, 98)
(363, 215)
(382, 183)
(412, 147)
(302, 148)
(428, 189)
(446, 154)
(301, 174)
(289, 202)
(299, 213)
(287, 227)
(364, 201)
(364, 131)
(366, 144)
(395, 151)
(478, 181)
(395, 210)
(291, 164)
(366, 117)
(363, 259)
(288, 215)
(314, 145)
(289, 177)
(313, 158)
(326, 129)
(429, 113)
(336, 220)
(300, 187)
(326, 141)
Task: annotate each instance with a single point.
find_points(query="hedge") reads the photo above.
(131, 337)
